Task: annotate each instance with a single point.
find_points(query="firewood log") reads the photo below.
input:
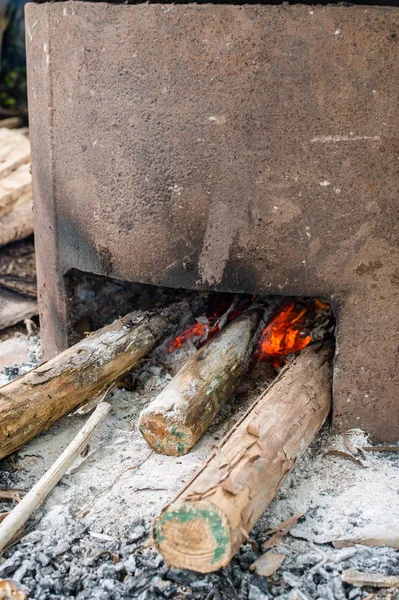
(180, 414)
(14, 150)
(34, 402)
(204, 526)
(18, 223)
(16, 184)
(14, 308)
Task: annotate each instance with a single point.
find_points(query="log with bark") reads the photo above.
(211, 517)
(37, 400)
(18, 223)
(15, 308)
(180, 414)
(13, 187)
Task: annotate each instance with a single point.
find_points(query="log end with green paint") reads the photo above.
(165, 437)
(175, 420)
(195, 535)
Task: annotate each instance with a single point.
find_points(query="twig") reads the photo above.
(11, 495)
(381, 448)
(21, 513)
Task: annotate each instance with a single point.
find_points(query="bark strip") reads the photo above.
(212, 516)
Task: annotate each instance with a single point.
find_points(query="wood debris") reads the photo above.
(361, 579)
(10, 590)
(12, 187)
(342, 453)
(268, 564)
(280, 531)
(381, 448)
(14, 495)
(18, 223)
(16, 216)
(389, 539)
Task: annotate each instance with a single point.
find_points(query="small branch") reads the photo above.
(33, 499)
(381, 448)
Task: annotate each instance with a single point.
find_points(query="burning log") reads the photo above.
(37, 400)
(209, 519)
(177, 418)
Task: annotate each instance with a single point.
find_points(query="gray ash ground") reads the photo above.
(92, 537)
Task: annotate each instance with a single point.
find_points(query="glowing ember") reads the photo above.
(319, 305)
(280, 337)
(194, 332)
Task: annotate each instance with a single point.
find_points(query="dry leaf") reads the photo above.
(359, 579)
(9, 590)
(268, 564)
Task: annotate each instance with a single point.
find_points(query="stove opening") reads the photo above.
(284, 325)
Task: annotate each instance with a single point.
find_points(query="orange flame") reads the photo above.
(282, 336)
(195, 331)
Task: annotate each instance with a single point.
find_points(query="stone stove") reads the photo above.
(240, 148)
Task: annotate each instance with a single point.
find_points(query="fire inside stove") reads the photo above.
(217, 349)
(284, 335)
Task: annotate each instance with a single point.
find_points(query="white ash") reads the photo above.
(12, 371)
(88, 541)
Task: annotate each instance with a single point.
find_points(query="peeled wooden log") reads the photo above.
(211, 517)
(180, 414)
(34, 402)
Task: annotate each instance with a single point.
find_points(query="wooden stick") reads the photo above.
(360, 579)
(17, 518)
(205, 525)
(177, 418)
(37, 400)
(381, 448)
